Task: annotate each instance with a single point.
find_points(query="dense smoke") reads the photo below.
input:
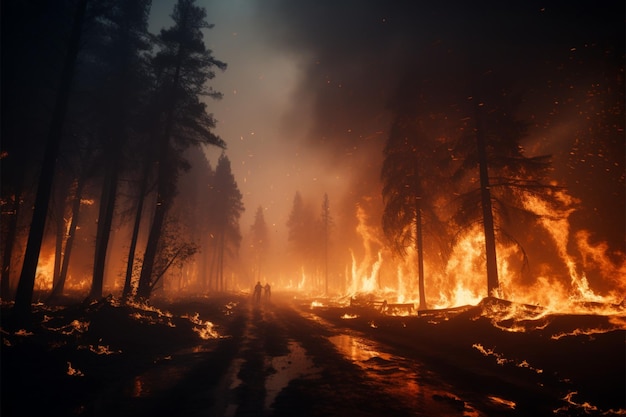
(363, 59)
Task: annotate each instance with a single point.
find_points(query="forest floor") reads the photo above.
(227, 356)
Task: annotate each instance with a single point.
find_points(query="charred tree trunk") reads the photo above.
(493, 284)
(9, 243)
(117, 134)
(145, 285)
(23, 297)
(58, 245)
(59, 217)
(135, 235)
(419, 245)
(164, 191)
(59, 287)
(103, 234)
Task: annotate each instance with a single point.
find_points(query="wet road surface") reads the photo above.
(282, 360)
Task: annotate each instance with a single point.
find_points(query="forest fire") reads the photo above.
(417, 210)
(204, 328)
(45, 272)
(462, 281)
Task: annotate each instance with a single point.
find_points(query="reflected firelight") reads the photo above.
(356, 349)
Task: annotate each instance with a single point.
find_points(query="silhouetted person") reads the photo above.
(268, 292)
(257, 291)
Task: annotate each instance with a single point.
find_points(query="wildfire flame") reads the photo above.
(463, 281)
(205, 329)
(363, 274)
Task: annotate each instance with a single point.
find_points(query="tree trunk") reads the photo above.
(5, 285)
(165, 192)
(493, 284)
(118, 137)
(144, 287)
(105, 220)
(61, 197)
(59, 287)
(164, 195)
(24, 295)
(419, 245)
(135, 235)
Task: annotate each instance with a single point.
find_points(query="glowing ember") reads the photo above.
(100, 350)
(146, 318)
(490, 352)
(501, 360)
(73, 372)
(579, 332)
(502, 401)
(585, 407)
(230, 307)
(147, 307)
(524, 364)
(76, 326)
(205, 329)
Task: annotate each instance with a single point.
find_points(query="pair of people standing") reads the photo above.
(258, 289)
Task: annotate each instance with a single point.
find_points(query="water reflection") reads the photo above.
(296, 364)
(402, 378)
(356, 349)
(137, 387)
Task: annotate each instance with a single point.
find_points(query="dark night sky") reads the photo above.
(309, 87)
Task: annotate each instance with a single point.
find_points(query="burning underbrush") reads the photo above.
(68, 353)
(572, 361)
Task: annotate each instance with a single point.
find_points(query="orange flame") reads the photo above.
(463, 280)
(363, 275)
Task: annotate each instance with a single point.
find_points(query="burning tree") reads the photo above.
(327, 223)
(506, 176)
(302, 230)
(436, 151)
(409, 175)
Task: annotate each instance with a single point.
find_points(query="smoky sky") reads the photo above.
(360, 60)
(312, 86)
(374, 49)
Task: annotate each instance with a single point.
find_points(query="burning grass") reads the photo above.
(69, 354)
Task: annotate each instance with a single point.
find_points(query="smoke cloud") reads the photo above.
(361, 59)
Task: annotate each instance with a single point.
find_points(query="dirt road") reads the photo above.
(281, 360)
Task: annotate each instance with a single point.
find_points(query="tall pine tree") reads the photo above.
(182, 67)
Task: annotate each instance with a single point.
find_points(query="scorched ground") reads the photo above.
(227, 356)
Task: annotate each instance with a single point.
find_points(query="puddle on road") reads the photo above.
(296, 364)
(402, 378)
(356, 349)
